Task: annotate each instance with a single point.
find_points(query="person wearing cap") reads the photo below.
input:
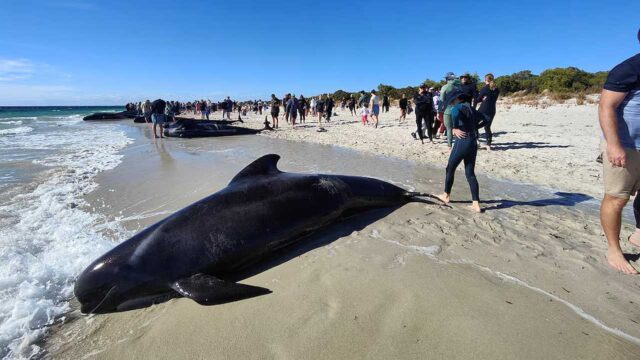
(446, 112)
(469, 89)
(374, 101)
(424, 113)
(619, 114)
(465, 148)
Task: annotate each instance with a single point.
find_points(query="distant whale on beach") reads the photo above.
(122, 115)
(191, 128)
(194, 252)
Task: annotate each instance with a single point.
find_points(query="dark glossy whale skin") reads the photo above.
(260, 211)
(190, 128)
(111, 116)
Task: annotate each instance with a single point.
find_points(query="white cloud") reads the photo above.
(16, 69)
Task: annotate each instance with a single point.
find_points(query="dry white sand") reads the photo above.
(526, 279)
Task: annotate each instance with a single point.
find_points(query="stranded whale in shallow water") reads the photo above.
(192, 251)
(191, 128)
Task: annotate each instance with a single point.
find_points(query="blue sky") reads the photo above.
(72, 52)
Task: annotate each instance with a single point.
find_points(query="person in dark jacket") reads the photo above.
(424, 114)
(328, 108)
(469, 89)
(487, 98)
(385, 103)
(403, 103)
(302, 108)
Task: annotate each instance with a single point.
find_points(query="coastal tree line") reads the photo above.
(560, 82)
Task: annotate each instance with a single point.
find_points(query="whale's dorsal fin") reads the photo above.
(209, 290)
(266, 165)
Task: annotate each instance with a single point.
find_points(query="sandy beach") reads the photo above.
(525, 279)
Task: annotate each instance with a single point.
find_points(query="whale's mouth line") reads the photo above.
(103, 299)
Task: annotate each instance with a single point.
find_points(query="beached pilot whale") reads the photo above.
(122, 115)
(191, 252)
(191, 128)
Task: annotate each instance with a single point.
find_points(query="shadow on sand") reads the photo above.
(563, 199)
(525, 145)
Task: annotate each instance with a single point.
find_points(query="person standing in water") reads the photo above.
(157, 117)
(465, 148)
(619, 113)
(146, 111)
(275, 110)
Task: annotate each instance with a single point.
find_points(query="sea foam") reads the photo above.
(47, 236)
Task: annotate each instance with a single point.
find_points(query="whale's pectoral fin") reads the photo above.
(209, 290)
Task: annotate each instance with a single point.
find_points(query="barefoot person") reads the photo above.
(157, 117)
(275, 110)
(619, 114)
(487, 98)
(465, 148)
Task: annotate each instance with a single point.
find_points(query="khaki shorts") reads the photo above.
(621, 182)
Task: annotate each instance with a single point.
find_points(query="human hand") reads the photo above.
(616, 155)
(459, 133)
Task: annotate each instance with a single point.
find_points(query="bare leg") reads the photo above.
(611, 219)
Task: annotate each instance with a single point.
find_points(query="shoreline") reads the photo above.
(396, 242)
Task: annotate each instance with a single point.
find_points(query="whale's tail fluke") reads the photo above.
(414, 196)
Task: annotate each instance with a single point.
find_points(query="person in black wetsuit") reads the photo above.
(465, 148)
(328, 107)
(403, 103)
(424, 113)
(302, 108)
(385, 103)
(352, 105)
(469, 88)
(487, 97)
(157, 116)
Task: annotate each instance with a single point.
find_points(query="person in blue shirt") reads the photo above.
(292, 109)
(619, 113)
(465, 147)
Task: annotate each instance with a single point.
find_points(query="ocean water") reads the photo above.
(49, 158)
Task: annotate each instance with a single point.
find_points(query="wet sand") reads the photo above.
(525, 279)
